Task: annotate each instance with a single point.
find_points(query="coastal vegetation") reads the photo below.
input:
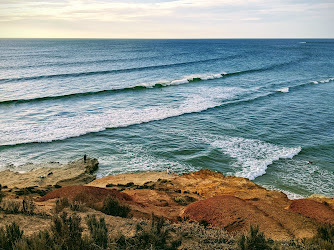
(157, 210)
(66, 232)
(113, 207)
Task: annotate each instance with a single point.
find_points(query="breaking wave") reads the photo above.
(60, 128)
(252, 156)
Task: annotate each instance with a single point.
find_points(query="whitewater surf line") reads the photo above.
(251, 155)
(152, 67)
(53, 130)
(159, 114)
(188, 79)
(115, 71)
(143, 86)
(61, 128)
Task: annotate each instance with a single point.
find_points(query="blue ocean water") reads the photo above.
(261, 109)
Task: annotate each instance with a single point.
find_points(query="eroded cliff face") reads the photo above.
(232, 203)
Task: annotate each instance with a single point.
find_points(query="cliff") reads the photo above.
(230, 203)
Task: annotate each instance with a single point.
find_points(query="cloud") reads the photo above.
(146, 15)
(128, 10)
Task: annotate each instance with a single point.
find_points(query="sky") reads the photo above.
(166, 19)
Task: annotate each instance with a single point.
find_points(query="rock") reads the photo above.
(74, 173)
(242, 202)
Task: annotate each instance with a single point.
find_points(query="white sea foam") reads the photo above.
(218, 75)
(306, 176)
(291, 195)
(326, 80)
(59, 128)
(184, 80)
(135, 158)
(204, 77)
(283, 90)
(323, 81)
(178, 82)
(252, 156)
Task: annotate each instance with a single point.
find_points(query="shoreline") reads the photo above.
(51, 174)
(228, 202)
(36, 168)
(75, 172)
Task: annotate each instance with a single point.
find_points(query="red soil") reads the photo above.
(313, 209)
(232, 214)
(217, 210)
(86, 194)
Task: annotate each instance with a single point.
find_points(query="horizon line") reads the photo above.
(141, 38)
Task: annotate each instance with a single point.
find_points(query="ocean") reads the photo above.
(257, 108)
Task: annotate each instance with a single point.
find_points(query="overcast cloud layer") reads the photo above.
(167, 19)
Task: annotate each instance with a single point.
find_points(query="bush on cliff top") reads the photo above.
(255, 240)
(98, 231)
(112, 206)
(156, 237)
(324, 238)
(66, 233)
(9, 235)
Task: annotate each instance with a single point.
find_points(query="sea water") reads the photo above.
(256, 108)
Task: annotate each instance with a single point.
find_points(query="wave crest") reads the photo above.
(60, 128)
(252, 156)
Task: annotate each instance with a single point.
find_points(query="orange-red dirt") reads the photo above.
(93, 194)
(232, 203)
(236, 215)
(321, 212)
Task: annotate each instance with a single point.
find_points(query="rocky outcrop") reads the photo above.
(233, 203)
(51, 174)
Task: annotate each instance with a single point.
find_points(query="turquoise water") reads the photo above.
(261, 109)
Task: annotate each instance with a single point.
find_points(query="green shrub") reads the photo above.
(85, 198)
(42, 240)
(26, 206)
(78, 206)
(9, 235)
(11, 206)
(184, 200)
(204, 223)
(98, 231)
(66, 231)
(61, 204)
(181, 200)
(324, 238)
(326, 233)
(112, 206)
(156, 237)
(255, 240)
(197, 236)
